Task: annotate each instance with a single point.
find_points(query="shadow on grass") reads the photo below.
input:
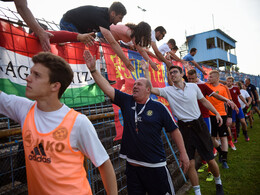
(243, 176)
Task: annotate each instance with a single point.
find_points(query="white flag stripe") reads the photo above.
(16, 67)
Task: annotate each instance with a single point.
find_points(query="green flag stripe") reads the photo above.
(73, 97)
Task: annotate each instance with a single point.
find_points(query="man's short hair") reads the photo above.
(230, 77)
(214, 72)
(193, 50)
(192, 72)
(59, 70)
(160, 29)
(172, 42)
(175, 48)
(239, 84)
(176, 67)
(248, 79)
(148, 84)
(118, 8)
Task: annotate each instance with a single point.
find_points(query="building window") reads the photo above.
(225, 46)
(210, 43)
(220, 43)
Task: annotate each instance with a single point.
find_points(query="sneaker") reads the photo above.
(235, 141)
(225, 165)
(247, 139)
(215, 152)
(210, 177)
(219, 189)
(233, 147)
(203, 167)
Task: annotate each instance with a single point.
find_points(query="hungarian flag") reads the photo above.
(16, 50)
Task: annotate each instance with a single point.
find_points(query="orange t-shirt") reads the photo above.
(219, 105)
(52, 166)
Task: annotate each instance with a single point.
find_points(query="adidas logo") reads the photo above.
(38, 154)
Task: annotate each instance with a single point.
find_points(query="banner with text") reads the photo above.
(16, 50)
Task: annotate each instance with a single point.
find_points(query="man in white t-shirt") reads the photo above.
(183, 99)
(56, 138)
(245, 109)
(157, 34)
(167, 49)
(245, 95)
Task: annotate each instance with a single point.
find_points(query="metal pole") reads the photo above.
(213, 21)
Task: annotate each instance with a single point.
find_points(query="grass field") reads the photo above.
(243, 175)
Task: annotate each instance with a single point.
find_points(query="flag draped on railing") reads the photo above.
(16, 50)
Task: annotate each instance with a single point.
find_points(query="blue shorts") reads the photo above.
(240, 115)
(154, 181)
(208, 123)
(67, 26)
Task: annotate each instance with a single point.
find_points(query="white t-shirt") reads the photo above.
(83, 136)
(130, 43)
(183, 103)
(200, 81)
(164, 48)
(153, 38)
(245, 95)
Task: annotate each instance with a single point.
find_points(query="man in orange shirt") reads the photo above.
(222, 131)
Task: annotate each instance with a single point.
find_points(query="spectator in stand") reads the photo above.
(67, 36)
(189, 58)
(235, 93)
(158, 35)
(26, 14)
(142, 145)
(173, 50)
(139, 34)
(167, 47)
(87, 19)
(64, 36)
